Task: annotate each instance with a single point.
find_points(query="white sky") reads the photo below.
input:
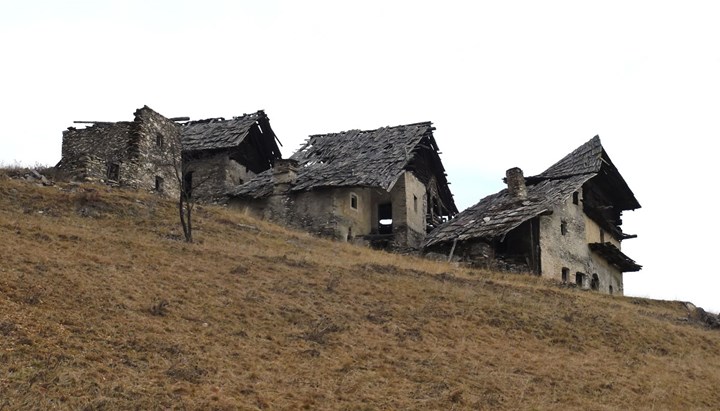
(506, 83)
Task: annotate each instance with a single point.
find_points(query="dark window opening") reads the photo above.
(563, 227)
(159, 184)
(350, 234)
(385, 218)
(113, 172)
(353, 201)
(579, 279)
(188, 184)
(576, 197)
(595, 282)
(160, 140)
(415, 203)
(610, 289)
(565, 274)
(602, 235)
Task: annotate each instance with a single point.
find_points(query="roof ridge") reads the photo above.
(428, 123)
(258, 113)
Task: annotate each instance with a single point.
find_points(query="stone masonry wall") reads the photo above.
(564, 244)
(87, 152)
(156, 147)
(143, 152)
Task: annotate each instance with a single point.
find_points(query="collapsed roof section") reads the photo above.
(220, 134)
(606, 196)
(373, 158)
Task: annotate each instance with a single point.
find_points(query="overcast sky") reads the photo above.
(506, 83)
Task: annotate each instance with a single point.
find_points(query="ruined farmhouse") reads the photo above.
(385, 187)
(156, 153)
(220, 154)
(564, 223)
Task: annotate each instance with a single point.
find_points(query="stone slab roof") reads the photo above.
(497, 214)
(218, 133)
(585, 159)
(372, 158)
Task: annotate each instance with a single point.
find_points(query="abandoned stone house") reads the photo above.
(129, 153)
(385, 187)
(564, 223)
(220, 154)
(155, 153)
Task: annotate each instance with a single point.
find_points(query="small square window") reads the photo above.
(353, 201)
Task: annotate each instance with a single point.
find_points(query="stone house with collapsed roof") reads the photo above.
(385, 187)
(152, 152)
(218, 154)
(564, 224)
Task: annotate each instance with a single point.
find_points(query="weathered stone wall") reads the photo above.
(87, 152)
(214, 174)
(156, 146)
(329, 212)
(570, 250)
(143, 151)
(237, 173)
(209, 176)
(352, 222)
(415, 211)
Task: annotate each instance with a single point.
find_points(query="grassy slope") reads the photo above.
(275, 319)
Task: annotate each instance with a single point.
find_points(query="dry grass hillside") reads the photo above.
(102, 307)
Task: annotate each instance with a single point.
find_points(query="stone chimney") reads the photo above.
(516, 183)
(284, 175)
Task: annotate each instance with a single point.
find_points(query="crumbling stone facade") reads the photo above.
(207, 157)
(346, 213)
(562, 224)
(220, 154)
(138, 153)
(385, 187)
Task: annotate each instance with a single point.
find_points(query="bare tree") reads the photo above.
(183, 172)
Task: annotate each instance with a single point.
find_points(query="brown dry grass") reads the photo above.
(101, 307)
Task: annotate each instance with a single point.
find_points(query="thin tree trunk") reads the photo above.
(185, 222)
